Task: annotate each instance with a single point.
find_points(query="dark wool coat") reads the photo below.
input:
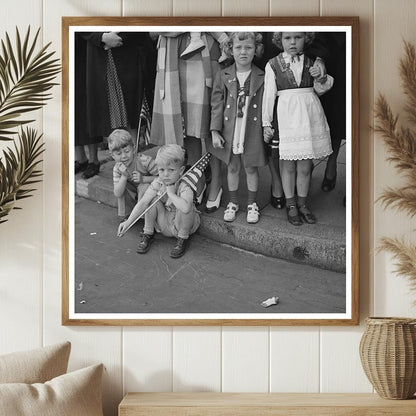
(131, 64)
(224, 113)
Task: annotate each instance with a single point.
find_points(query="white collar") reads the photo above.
(288, 58)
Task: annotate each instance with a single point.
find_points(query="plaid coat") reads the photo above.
(183, 90)
(224, 113)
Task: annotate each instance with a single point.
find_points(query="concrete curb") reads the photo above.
(317, 245)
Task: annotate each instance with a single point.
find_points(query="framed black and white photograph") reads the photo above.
(210, 171)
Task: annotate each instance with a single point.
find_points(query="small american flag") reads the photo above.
(146, 117)
(194, 174)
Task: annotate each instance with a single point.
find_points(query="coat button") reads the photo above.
(226, 118)
(255, 106)
(255, 118)
(231, 95)
(228, 106)
(254, 94)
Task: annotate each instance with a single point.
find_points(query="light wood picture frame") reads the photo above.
(312, 270)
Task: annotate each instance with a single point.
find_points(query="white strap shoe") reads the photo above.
(253, 214)
(230, 212)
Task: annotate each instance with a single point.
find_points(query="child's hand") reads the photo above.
(121, 167)
(319, 63)
(122, 229)
(315, 71)
(217, 140)
(268, 134)
(137, 177)
(171, 189)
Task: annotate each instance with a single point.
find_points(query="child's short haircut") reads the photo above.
(118, 139)
(170, 154)
(255, 36)
(277, 39)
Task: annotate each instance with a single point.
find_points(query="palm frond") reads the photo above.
(18, 169)
(25, 78)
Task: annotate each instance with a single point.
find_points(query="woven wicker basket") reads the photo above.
(388, 356)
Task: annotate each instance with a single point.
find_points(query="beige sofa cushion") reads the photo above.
(74, 394)
(35, 366)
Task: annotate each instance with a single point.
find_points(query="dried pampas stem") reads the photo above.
(401, 146)
(404, 254)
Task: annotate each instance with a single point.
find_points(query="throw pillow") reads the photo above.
(35, 366)
(74, 394)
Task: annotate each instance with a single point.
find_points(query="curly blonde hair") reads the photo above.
(171, 154)
(118, 139)
(277, 38)
(255, 36)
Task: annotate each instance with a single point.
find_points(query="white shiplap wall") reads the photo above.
(246, 359)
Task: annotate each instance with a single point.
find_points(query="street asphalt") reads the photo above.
(212, 277)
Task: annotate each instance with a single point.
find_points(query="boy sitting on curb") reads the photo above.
(132, 173)
(175, 214)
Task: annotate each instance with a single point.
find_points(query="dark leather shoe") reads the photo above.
(277, 202)
(306, 214)
(180, 248)
(80, 167)
(328, 184)
(92, 170)
(144, 245)
(293, 215)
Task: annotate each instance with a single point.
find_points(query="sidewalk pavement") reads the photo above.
(321, 245)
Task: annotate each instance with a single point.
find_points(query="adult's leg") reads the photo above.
(330, 175)
(216, 178)
(193, 148)
(277, 187)
(93, 163)
(81, 160)
(93, 153)
(80, 155)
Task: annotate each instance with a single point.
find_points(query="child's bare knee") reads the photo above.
(304, 169)
(233, 168)
(290, 168)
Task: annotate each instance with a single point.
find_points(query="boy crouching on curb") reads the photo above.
(133, 172)
(175, 214)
